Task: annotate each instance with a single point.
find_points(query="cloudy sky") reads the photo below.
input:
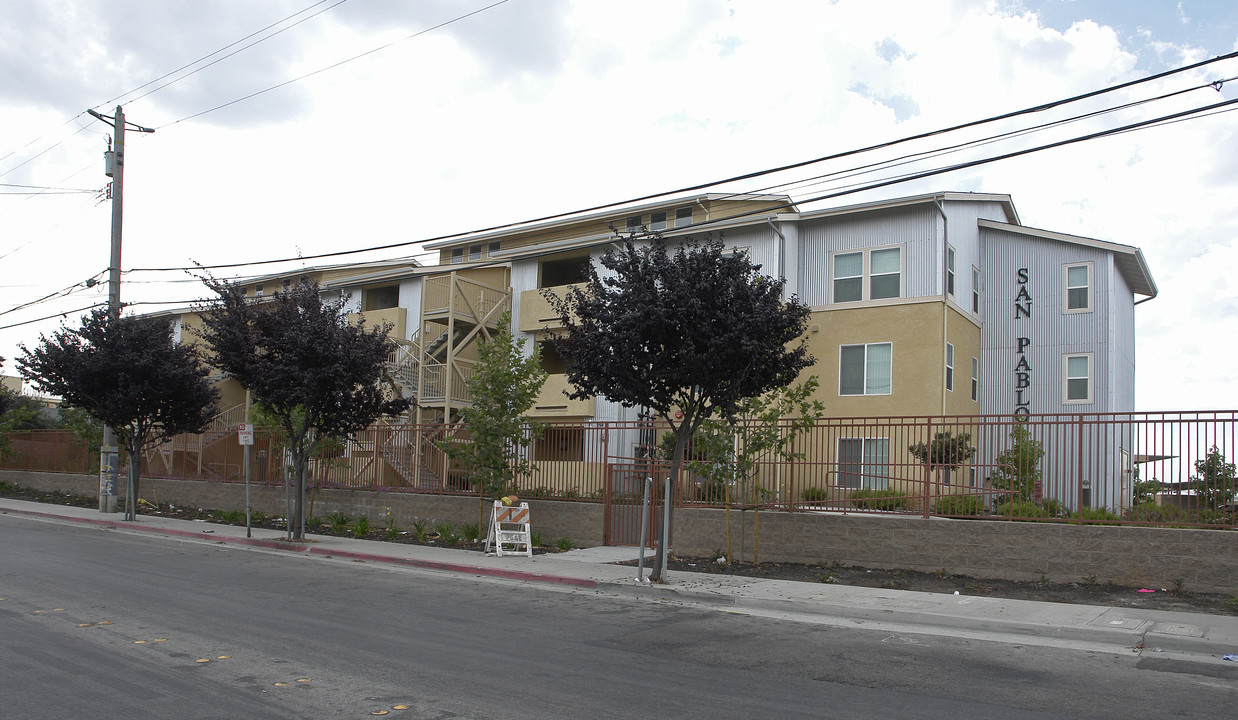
(290, 128)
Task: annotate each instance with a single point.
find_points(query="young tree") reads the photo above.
(946, 450)
(688, 334)
(128, 373)
(504, 386)
(764, 428)
(318, 374)
(1018, 467)
(1216, 482)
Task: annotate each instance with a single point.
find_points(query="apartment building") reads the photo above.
(942, 304)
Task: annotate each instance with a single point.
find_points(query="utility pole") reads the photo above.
(109, 455)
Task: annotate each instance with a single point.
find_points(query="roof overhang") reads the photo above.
(617, 211)
(1129, 259)
(1004, 200)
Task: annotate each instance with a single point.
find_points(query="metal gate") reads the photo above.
(623, 496)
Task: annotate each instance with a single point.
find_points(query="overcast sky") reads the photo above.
(534, 107)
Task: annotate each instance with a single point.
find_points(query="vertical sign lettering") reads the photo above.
(1022, 368)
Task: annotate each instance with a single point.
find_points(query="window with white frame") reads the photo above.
(849, 277)
(949, 367)
(950, 271)
(1077, 371)
(975, 290)
(457, 255)
(633, 223)
(474, 252)
(683, 217)
(865, 369)
(975, 379)
(1077, 287)
(657, 221)
(863, 463)
(493, 247)
(885, 269)
(868, 274)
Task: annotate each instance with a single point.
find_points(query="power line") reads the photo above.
(760, 173)
(225, 57)
(64, 314)
(1178, 117)
(173, 72)
(333, 65)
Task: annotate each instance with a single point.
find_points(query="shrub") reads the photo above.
(564, 544)
(361, 528)
(1030, 510)
(815, 494)
(337, 521)
(1098, 516)
(958, 505)
(1150, 512)
(447, 534)
(891, 500)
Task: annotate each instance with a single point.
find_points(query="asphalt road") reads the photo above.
(103, 624)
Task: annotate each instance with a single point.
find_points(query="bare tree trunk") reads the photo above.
(131, 509)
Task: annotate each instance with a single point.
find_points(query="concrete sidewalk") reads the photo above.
(1206, 637)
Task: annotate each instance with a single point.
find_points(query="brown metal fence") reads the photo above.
(1145, 468)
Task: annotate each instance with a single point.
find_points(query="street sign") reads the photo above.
(245, 434)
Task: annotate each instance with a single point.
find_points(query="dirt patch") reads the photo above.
(1086, 591)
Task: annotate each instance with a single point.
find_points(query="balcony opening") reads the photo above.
(380, 298)
(552, 362)
(564, 271)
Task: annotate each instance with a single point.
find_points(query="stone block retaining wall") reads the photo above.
(1204, 560)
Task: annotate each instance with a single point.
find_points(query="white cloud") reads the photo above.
(532, 108)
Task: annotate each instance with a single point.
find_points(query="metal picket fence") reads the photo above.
(1164, 468)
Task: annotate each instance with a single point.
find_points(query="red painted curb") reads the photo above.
(456, 567)
(352, 555)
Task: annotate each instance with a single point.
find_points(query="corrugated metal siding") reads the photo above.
(762, 246)
(916, 228)
(410, 300)
(1121, 340)
(1052, 332)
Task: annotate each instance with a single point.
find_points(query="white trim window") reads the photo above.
(949, 271)
(874, 274)
(1077, 288)
(975, 379)
(1077, 378)
(457, 256)
(863, 463)
(683, 217)
(949, 367)
(865, 369)
(657, 220)
(975, 290)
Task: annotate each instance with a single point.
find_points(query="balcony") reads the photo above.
(467, 299)
(553, 403)
(536, 313)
